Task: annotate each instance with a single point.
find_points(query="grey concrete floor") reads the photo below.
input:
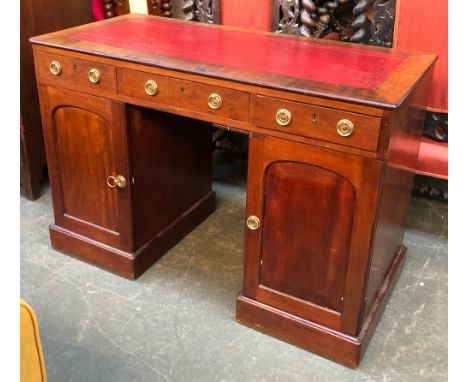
(177, 321)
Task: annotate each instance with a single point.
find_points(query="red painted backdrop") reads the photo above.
(251, 14)
(422, 25)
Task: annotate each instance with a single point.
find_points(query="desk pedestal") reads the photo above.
(127, 183)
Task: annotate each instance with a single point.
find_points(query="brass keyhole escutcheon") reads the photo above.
(151, 87)
(253, 222)
(345, 127)
(94, 76)
(116, 181)
(283, 117)
(215, 101)
(55, 68)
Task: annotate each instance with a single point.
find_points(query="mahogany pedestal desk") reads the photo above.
(128, 105)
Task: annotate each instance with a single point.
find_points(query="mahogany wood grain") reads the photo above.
(403, 147)
(363, 176)
(305, 251)
(200, 78)
(215, 116)
(172, 165)
(185, 94)
(318, 122)
(75, 73)
(132, 264)
(137, 38)
(86, 142)
(38, 18)
(335, 345)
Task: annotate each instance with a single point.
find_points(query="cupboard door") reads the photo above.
(86, 144)
(316, 219)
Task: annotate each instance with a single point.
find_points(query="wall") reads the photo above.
(138, 6)
(239, 13)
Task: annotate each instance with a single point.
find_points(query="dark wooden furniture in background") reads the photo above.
(114, 8)
(360, 21)
(333, 140)
(38, 18)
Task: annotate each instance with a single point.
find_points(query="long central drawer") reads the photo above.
(183, 94)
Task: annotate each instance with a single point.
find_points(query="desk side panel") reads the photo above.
(405, 127)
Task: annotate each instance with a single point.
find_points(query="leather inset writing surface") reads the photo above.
(301, 59)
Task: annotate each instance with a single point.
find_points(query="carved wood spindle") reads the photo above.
(166, 8)
(382, 23)
(360, 20)
(307, 18)
(335, 23)
(189, 10)
(288, 16)
(108, 6)
(154, 7)
(204, 11)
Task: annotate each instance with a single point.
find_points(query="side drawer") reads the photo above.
(183, 94)
(317, 122)
(72, 73)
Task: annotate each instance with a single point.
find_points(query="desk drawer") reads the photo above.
(188, 95)
(317, 122)
(72, 73)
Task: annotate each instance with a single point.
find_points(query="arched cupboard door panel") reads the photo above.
(310, 218)
(87, 149)
(305, 251)
(86, 157)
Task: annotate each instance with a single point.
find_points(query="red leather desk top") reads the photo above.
(243, 50)
(347, 72)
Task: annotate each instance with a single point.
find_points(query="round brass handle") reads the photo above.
(116, 181)
(253, 222)
(94, 76)
(345, 127)
(283, 117)
(151, 87)
(55, 68)
(215, 101)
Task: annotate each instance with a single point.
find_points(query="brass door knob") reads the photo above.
(283, 117)
(345, 127)
(253, 222)
(55, 68)
(116, 181)
(94, 76)
(215, 101)
(151, 87)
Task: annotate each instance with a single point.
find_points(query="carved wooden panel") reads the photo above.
(160, 7)
(114, 8)
(205, 11)
(360, 21)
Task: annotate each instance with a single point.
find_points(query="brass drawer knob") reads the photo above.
(253, 222)
(55, 68)
(283, 117)
(151, 87)
(215, 101)
(94, 76)
(116, 181)
(345, 127)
